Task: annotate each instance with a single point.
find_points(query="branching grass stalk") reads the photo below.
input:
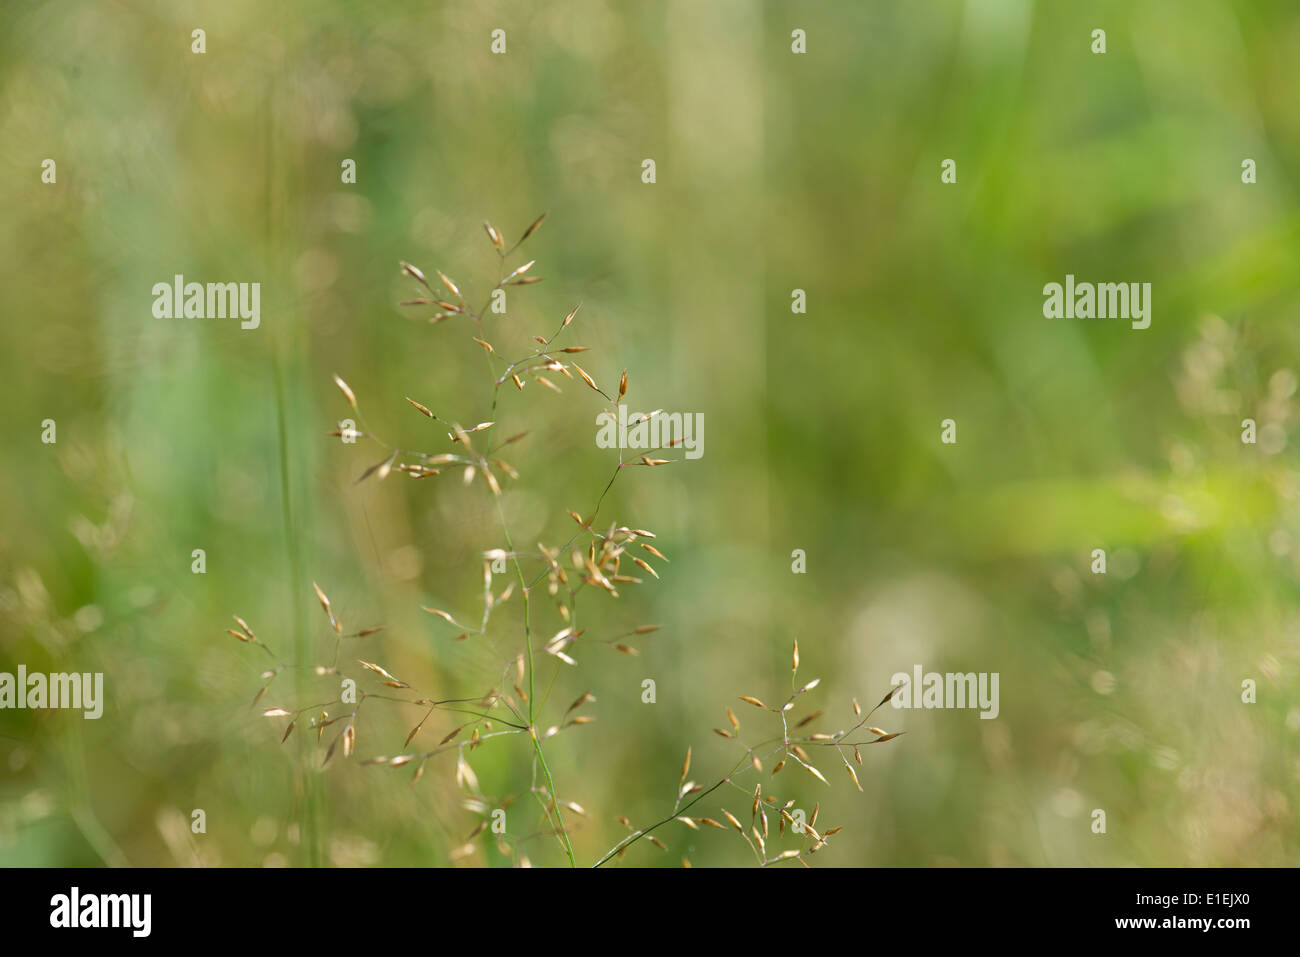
(595, 554)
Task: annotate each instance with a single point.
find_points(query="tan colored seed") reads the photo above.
(412, 271)
(414, 732)
(583, 699)
(586, 378)
(440, 613)
(451, 734)
(347, 391)
(370, 666)
(644, 566)
(518, 272)
(533, 228)
(449, 284)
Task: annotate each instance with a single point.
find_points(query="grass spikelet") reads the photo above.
(441, 614)
(599, 553)
(424, 409)
(644, 566)
(518, 272)
(455, 290)
(325, 604)
(537, 223)
(586, 378)
(416, 274)
(347, 391)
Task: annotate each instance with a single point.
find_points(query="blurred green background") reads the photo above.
(775, 171)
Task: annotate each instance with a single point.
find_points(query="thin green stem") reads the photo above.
(532, 697)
